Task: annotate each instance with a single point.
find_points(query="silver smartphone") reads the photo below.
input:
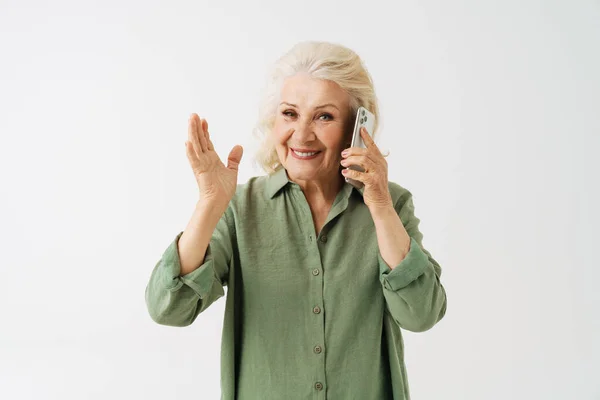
(363, 118)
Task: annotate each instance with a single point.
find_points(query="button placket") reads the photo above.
(318, 350)
(316, 284)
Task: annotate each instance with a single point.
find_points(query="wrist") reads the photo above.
(216, 208)
(383, 211)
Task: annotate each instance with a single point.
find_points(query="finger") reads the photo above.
(193, 138)
(362, 161)
(235, 156)
(191, 155)
(356, 175)
(201, 135)
(208, 141)
(367, 139)
(374, 157)
(354, 151)
(369, 142)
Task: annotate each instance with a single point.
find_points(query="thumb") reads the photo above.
(235, 156)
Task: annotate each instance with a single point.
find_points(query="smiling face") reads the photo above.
(311, 128)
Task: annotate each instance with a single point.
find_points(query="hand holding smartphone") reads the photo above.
(364, 118)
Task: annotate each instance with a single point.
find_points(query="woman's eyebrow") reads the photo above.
(316, 108)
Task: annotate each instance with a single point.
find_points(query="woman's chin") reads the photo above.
(305, 173)
(302, 174)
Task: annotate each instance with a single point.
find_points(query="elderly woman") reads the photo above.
(321, 276)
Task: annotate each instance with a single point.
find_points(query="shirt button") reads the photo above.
(315, 271)
(318, 349)
(324, 238)
(319, 386)
(317, 309)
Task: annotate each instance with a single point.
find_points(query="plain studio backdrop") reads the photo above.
(490, 111)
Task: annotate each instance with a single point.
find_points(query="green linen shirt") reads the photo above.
(306, 316)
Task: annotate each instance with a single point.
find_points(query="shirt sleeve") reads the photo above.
(176, 300)
(415, 297)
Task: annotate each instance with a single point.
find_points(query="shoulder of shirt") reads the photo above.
(400, 194)
(249, 191)
(246, 196)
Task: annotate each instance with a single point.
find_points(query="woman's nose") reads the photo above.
(304, 131)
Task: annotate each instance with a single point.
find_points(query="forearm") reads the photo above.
(196, 237)
(392, 238)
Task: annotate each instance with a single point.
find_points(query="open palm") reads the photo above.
(216, 182)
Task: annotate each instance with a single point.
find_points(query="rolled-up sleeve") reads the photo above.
(415, 296)
(177, 300)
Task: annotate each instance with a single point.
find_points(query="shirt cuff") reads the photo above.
(200, 280)
(409, 269)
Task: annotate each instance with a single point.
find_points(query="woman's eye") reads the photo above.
(322, 117)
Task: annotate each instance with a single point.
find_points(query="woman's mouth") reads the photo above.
(304, 154)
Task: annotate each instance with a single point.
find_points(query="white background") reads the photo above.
(491, 112)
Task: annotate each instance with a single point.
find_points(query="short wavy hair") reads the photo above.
(320, 60)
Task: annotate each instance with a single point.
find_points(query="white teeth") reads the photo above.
(305, 154)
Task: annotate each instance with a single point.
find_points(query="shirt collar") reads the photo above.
(279, 179)
(276, 181)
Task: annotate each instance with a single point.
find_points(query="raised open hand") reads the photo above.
(216, 182)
